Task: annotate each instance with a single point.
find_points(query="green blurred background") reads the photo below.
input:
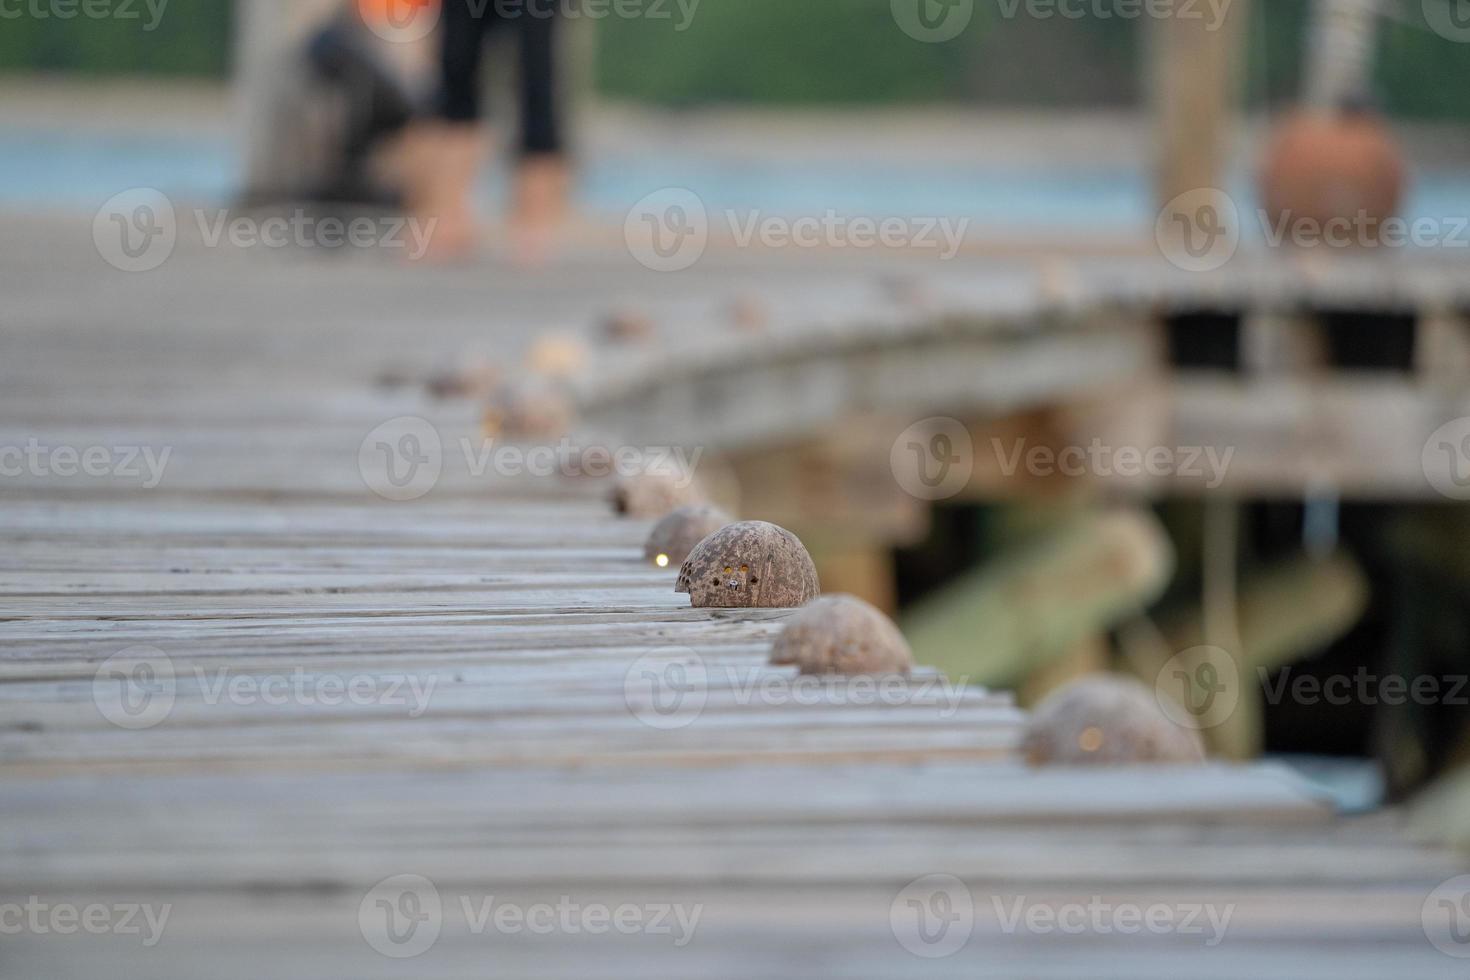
(780, 52)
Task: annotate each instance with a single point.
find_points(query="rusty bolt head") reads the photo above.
(557, 356)
(672, 538)
(528, 410)
(628, 327)
(650, 495)
(904, 289)
(749, 313)
(1106, 720)
(748, 565)
(477, 378)
(1057, 282)
(842, 634)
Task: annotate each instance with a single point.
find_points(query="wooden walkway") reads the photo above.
(364, 726)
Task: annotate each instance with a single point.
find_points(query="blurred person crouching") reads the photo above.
(380, 107)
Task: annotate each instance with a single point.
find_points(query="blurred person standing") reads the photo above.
(447, 151)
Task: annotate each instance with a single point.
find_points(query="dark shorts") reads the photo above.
(463, 29)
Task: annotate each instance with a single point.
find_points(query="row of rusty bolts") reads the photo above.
(729, 564)
(724, 563)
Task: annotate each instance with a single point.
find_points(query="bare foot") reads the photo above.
(539, 208)
(440, 162)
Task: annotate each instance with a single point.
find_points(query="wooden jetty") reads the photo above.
(812, 835)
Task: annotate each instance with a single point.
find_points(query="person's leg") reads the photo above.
(445, 153)
(462, 28)
(541, 179)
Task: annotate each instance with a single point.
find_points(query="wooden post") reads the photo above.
(1442, 351)
(1194, 91)
(1036, 604)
